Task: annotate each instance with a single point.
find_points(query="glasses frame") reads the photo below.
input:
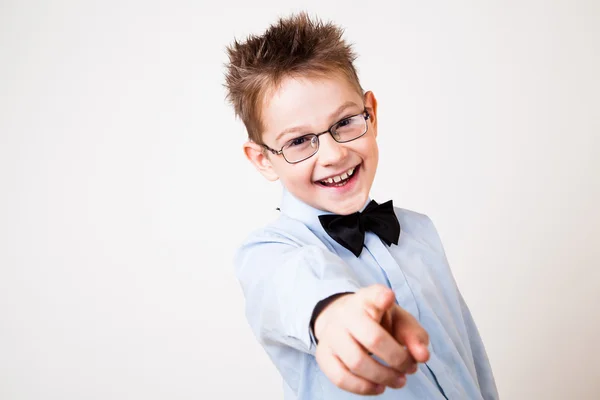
(279, 152)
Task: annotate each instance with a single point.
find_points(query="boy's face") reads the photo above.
(302, 106)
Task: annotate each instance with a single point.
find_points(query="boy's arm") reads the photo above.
(283, 282)
(485, 377)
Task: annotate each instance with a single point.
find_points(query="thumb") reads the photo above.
(377, 299)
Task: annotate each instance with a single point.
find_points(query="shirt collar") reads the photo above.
(296, 209)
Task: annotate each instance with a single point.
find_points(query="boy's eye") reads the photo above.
(298, 141)
(344, 122)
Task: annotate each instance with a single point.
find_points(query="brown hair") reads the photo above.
(293, 46)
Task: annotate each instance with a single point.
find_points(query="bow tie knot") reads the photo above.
(349, 230)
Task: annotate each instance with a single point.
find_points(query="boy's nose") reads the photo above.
(330, 152)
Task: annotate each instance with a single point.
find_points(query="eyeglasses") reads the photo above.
(343, 131)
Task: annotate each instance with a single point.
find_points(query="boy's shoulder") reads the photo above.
(419, 227)
(411, 220)
(280, 229)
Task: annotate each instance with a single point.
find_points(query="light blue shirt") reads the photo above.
(286, 268)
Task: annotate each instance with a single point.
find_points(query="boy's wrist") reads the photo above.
(323, 310)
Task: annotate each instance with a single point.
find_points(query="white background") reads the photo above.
(124, 191)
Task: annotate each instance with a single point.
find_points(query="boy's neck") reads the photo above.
(297, 209)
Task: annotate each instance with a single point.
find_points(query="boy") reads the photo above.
(347, 296)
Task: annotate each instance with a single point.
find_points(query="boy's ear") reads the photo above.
(258, 157)
(371, 106)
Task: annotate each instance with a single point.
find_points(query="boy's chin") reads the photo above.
(345, 206)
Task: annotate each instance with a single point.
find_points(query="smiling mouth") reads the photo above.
(339, 180)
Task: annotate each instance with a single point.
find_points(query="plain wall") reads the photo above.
(124, 191)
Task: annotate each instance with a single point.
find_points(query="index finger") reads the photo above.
(376, 300)
(408, 331)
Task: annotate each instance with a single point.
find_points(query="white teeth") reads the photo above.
(341, 177)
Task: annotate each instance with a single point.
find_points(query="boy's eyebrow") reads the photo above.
(336, 113)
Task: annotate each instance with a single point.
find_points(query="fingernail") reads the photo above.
(379, 388)
(401, 380)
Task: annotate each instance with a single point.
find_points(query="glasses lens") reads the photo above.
(300, 148)
(350, 128)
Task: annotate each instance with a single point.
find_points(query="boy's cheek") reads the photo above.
(298, 176)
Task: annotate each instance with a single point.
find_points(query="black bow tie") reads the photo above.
(349, 230)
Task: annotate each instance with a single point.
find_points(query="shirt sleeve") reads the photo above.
(282, 282)
(485, 377)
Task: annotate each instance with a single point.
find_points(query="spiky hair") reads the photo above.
(293, 46)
